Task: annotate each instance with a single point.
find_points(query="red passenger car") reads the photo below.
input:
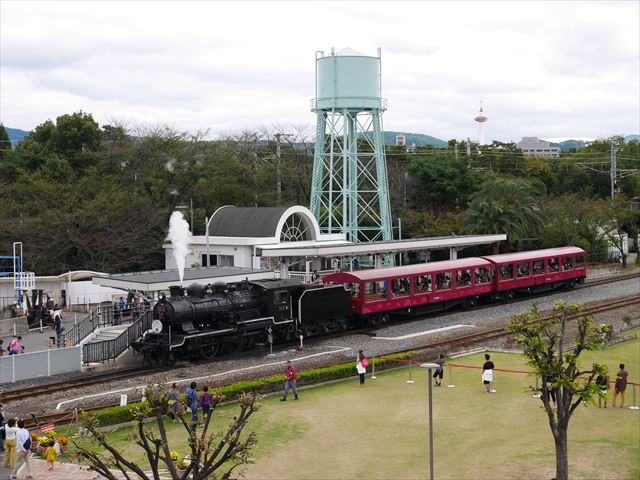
(538, 270)
(415, 288)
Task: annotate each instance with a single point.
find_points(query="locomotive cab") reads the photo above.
(277, 296)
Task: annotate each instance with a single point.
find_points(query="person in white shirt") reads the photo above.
(10, 430)
(23, 453)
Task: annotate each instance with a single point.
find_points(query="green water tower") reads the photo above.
(349, 190)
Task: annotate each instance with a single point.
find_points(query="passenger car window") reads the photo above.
(444, 281)
(523, 270)
(538, 267)
(579, 261)
(554, 265)
(463, 278)
(506, 272)
(423, 284)
(482, 275)
(568, 263)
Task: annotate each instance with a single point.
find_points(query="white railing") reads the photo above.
(307, 277)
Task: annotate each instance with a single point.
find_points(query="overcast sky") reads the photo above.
(552, 70)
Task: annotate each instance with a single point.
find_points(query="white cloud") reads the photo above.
(546, 69)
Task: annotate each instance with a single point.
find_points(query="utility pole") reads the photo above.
(278, 165)
(614, 172)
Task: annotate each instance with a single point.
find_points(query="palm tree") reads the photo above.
(503, 205)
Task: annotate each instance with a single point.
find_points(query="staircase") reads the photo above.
(110, 342)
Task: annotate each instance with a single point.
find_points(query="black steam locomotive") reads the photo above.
(210, 321)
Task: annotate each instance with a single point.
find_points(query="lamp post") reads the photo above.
(430, 367)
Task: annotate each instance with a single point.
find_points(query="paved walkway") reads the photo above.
(61, 471)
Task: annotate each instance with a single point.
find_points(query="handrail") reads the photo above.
(111, 349)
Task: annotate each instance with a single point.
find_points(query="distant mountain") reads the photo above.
(15, 135)
(567, 145)
(628, 138)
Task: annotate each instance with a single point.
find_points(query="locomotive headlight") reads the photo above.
(156, 326)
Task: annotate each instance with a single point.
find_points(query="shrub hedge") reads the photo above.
(273, 383)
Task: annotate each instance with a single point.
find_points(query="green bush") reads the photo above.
(264, 385)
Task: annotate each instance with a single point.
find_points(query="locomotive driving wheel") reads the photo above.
(168, 359)
(210, 350)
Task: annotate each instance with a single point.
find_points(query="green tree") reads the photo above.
(503, 205)
(213, 455)
(5, 143)
(546, 345)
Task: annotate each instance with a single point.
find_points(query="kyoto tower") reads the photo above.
(481, 118)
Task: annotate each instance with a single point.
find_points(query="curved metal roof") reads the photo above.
(406, 270)
(231, 221)
(534, 254)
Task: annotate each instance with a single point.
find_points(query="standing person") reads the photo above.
(191, 397)
(1, 347)
(290, 375)
(1, 430)
(487, 373)
(315, 277)
(23, 451)
(173, 398)
(51, 454)
(551, 394)
(439, 372)
(603, 382)
(205, 401)
(621, 386)
(361, 366)
(57, 319)
(10, 431)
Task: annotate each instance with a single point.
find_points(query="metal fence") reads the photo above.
(39, 364)
(101, 316)
(110, 349)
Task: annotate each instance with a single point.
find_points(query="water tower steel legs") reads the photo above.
(349, 188)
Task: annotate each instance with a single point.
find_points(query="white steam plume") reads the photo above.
(180, 237)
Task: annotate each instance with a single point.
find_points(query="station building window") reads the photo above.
(423, 284)
(506, 272)
(538, 267)
(463, 278)
(213, 260)
(524, 270)
(225, 260)
(568, 263)
(482, 275)
(444, 280)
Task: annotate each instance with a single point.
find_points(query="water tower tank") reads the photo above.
(347, 79)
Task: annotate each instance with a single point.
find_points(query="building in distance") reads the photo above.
(534, 147)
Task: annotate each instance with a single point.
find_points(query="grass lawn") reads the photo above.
(341, 431)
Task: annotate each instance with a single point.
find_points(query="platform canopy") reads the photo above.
(160, 280)
(370, 248)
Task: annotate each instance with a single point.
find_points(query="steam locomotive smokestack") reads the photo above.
(176, 291)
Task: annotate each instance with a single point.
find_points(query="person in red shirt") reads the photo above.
(290, 374)
(621, 386)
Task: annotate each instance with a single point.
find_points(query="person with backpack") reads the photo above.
(191, 399)
(23, 451)
(361, 366)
